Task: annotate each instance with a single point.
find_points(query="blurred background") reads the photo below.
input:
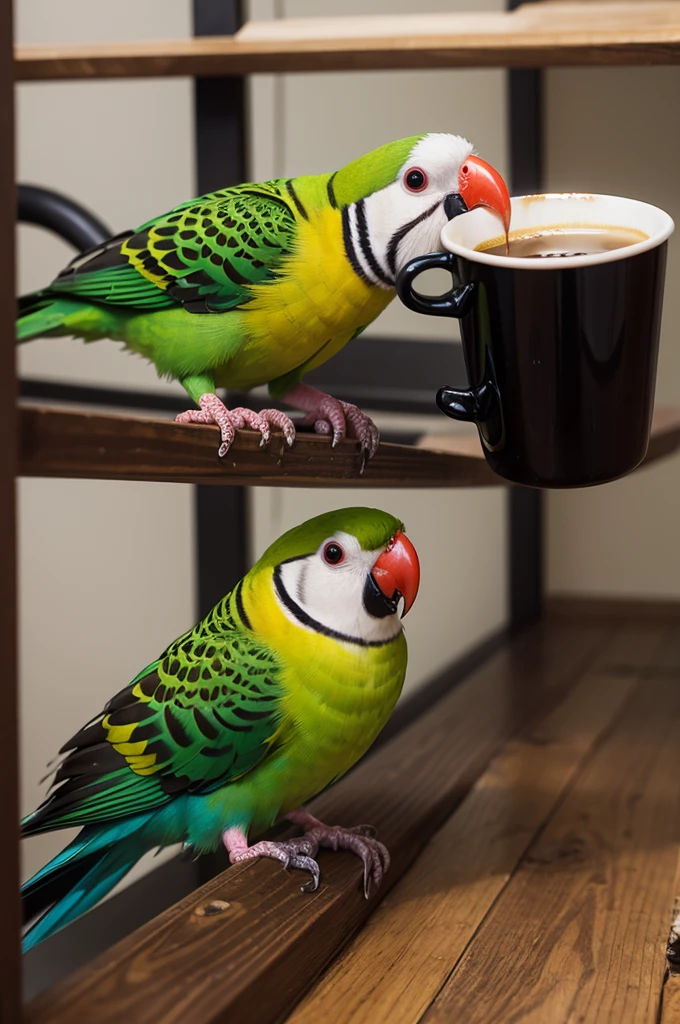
(108, 569)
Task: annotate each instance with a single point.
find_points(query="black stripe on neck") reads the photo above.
(238, 594)
(306, 620)
(401, 233)
(294, 196)
(365, 243)
(331, 191)
(349, 247)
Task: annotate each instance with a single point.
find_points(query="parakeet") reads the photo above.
(260, 283)
(275, 694)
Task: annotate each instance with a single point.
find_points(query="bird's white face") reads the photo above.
(406, 218)
(329, 591)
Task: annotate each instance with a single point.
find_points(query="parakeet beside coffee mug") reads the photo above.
(561, 352)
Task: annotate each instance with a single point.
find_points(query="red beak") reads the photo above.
(480, 184)
(397, 571)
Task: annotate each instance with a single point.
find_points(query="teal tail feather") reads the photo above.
(92, 869)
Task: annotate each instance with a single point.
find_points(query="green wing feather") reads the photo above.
(202, 255)
(206, 713)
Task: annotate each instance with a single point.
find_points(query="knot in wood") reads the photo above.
(212, 908)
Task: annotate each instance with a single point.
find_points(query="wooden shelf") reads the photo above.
(63, 443)
(547, 859)
(544, 34)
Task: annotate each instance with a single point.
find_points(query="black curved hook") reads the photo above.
(61, 215)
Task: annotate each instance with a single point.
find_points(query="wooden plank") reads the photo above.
(664, 438)
(534, 35)
(579, 932)
(582, 608)
(670, 1008)
(399, 961)
(192, 964)
(10, 918)
(66, 443)
(670, 997)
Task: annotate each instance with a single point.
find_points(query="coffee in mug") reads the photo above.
(560, 336)
(562, 241)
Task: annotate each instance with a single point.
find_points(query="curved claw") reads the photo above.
(308, 864)
(213, 410)
(332, 416)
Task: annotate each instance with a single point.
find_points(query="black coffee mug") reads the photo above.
(561, 353)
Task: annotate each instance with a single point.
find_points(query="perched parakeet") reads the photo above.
(259, 283)
(275, 694)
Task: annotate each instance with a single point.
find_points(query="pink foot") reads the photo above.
(331, 415)
(213, 410)
(301, 851)
(293, 853)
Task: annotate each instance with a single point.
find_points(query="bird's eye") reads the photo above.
(333, 554)
(415, 179)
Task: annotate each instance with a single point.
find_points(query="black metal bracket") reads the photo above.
(525, 505)
(61, 215)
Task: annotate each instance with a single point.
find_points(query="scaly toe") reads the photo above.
(364, 830)
(279, 419)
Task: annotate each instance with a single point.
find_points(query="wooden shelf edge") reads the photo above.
(534, 35)
(196, 960)
(66, 443)
(664, 438)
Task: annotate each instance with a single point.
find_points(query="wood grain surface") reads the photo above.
(579, 932)
(534, 35)
(253, 957)
(67, 443)
(399, 961)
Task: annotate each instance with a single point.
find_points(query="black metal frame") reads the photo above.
(222, 535)
(525, 505)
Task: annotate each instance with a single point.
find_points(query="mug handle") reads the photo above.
(473, 406)
(476, 404)
(454, 303)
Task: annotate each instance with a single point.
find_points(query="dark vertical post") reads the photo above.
(221, 512)
(10, 917)
(525, 117)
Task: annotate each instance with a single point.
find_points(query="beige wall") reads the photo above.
(617, 130)
(106, 569)
(106, 573)
(311, 123)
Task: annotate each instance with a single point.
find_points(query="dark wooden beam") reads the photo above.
(65, 443)
(10, 965)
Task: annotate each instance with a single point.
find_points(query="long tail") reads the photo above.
(91, 865)
(40, 314)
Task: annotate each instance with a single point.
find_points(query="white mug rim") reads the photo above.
(566, 262)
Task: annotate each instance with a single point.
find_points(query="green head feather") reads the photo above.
(371, 527)
(372, 172)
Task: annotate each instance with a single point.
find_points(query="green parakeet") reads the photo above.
(259, 283)
(275, 694)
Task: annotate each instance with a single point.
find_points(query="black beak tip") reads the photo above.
(376, 603)
(454, 205)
